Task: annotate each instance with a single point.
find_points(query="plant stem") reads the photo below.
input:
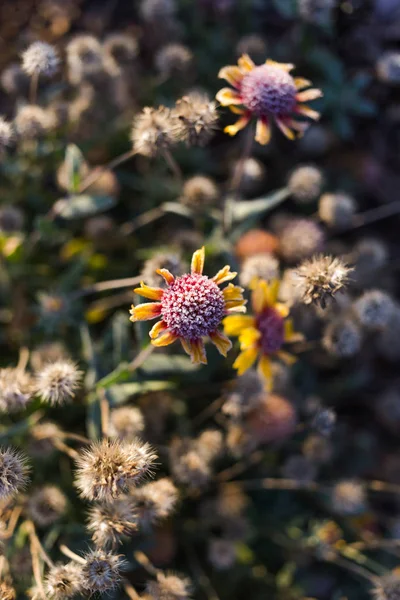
(112, 284)
(104, 413)
(33, 88)
(240, 466)
(173, 165)
(67, 552)
(142, 559)
(144, 219)
(375, 214)
(98, 171)
(140, 358)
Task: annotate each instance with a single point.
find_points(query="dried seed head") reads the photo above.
(222, 553)
(342, 338)
(120, 50)
(210, 444)
(261, 266)
(108, 468)
(7, 134)
(320, 278)
(369, 255)
(84, 57)
(300, 239)
(253, 176)
(186, 463)
(41, 58)
(173, 59)
(56, 382)
(337, 210)
(13, 472)
(101, 573)
(374, 309)
(126, 423)
(299, 468)
(155, 501)
(64, 582)
(387, 588)
(33, 121)
(348, 498)
(169, 586)
(152, 131)
(199, 192)
(245, 395)
(7, 592)
(16, 390)
(11, 219)
(162, 260)
(46, 505)
(108, 523)
(388, 68)
(196, 119)
(305, 184)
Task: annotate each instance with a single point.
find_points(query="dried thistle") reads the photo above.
(320, 278)
(16, 390)
(64, 582)
(102, 571)
(169, 586)
(46, 505)
(13, 472)
(56, 382)
(153, 131)
(108, 523)
(41, 58)
(196, 119)
(155, 501)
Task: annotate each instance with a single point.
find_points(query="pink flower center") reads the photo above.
(271, 326)
(268, 89)
(192, 306)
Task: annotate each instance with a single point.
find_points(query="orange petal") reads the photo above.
(145, 312)
(287, 358)
(309, 95)
(245, 360)
(240, 124)
(198, 352)
(265, 369)
(236, 110)
(222, 343)
(197, 265)
(227, 96)
(232, 75)
(158, 328)
(301, 83)
(245, 63)
(263, 132)
(167, 276)
(234, 324)
(149, 292)
(224, 275)
(285, 129)
(302, 109)
(232, 293)
(285, 66)
(165, 339)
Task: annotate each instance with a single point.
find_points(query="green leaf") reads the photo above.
(254, 208)
(118, 394)
(84, 205)
(74, 162)
(168, 364)
(120, 374)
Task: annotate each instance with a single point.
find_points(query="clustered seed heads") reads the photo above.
(56, 382)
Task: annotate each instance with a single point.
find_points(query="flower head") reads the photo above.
(108, 522)
(320, 278)
(169, 586)
(56, 382)
(263, 334)
(46, 505)
(191, 308)
(42, 58)
(153, 131)
(13, 472)
(387, 588)
(102, 571)
(64, 581)
(155, 500)
(15, 390)
(267, 92)
(196, 119)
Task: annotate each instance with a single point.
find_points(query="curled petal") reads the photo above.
(233, 293)
(301, 83)
(287, 358)
(245, 360)
(285, 129)
(166, 275)
(198, 352)
(302, 109)
(309, 95)
(165, 339)
(224, 275)
(236, 110)
(285, 66)
(245, 63)
(265, 370)
(232, 75)
(186, 345)
(235, 306)
(197, 265)
(263, 132)
(158, 328)
(227, 96)
(145, 312)
(234, 324)
(249, 338)
(222, 343)
(298, 126)
(149, 292)
(240, 124)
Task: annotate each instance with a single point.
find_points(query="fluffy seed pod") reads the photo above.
(319, 279)
(342, 338)
(56, 383)
(84, 58)
(46, 505)
(169, 586)
(305, 184)
(209, 444)
(40, 58)
(300, 469)
(120, 50)
(64, 582)
(187, 465)
(155, 501)
(300, 239)
(7, 134)
(255, 241)
(152, 131)
(162, 260)
(108, 523)
(102, 571)
(374, 309)
(196, 119)
(199, 192)
(13, 472)
(369, 255)
(221, 553)
(245, 395)
(337, 210)
(32, 122)
(16, 390)
(173, 59)
(126, 423)
(108, 468)
(260, 266)
(348, 498)
(388, 68)
(7, 592)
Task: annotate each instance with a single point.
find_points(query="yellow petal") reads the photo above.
(186, 345)
(287, 358)
(145, 312)
(222, 343)
(302, 109)
(158, 328)
(273, 291)
(236, 110)
(240, 124)
(198, 355)
(285, 129)
(232, 75)
(224, 275)
(232, 293)
(198, 258)
(264, 367)
(227, 96)
(245, 360)
(309, 95)
(165, 339)
(263, 132)
(149, 292)
(234, 324)
(285, 66)
(289, 331)
(167, 276)
(301, 83)
(248, 338)
(235, 306)
(282, 309)
(245, 63)
(260, 295)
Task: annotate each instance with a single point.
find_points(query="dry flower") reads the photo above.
(109, 522)
(199, 192)
(153, 131)
(169, 586)
(260, 266)
(173, 59)
(196, 119)
(56, 382)
(126, 423)
(46, 505)
(16, 390)
(320, 278)
(13, 472)
(374, 309)
(300, 239)
(102, 571)
(342, 337)
(337, 210)
(41, 58)
(155, 501)
(305, 184)
(64, 582)
(348, 497)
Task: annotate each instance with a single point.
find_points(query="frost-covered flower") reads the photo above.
(269, 93)
(191, 307)
(263, 334)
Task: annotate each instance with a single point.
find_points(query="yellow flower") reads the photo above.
(267, 92)
(191, 308)
(262, 335)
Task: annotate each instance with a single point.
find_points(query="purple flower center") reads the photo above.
(268, 89)
(271, 326)
(192, 306)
